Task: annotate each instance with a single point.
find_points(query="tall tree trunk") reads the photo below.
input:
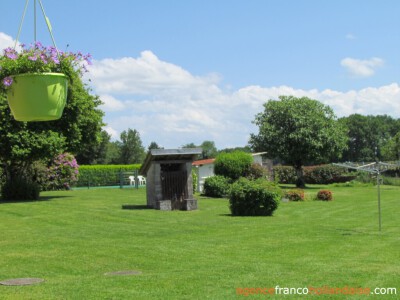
(300, 182)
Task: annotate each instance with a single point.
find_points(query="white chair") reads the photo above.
(131, 180)
(141, 180)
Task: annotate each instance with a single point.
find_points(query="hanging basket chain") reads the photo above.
(47, 20)
(20, 25)
(48, 26)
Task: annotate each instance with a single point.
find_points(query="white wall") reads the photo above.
(203, 172)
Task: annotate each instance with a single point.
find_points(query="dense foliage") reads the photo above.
(132, 150)
(321, 174)
(391, 150)
(257, 171)
(371, 138)
(254, 197)
(20, 188)
(216, 186)
(128, 150)
(299, 131)
(233, 165)
(209, 150)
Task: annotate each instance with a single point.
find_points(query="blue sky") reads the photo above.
(189, 71)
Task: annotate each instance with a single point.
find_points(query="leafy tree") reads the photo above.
(246, 149)
(190, 145)
(153, 145)
(391, 150)
(368, 135)
(132, 150)
(78, 131)
(299, 131)
(97, 154)
(113, 154)
(209, 149)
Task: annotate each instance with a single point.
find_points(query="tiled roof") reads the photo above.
(203, 162)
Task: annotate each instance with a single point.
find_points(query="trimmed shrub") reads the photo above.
(322, 174)
(233, 165)
(284, 174)
(325, 174)
(295, 195)
(104, 175)
(325, 195)
(216, 186)
(257, 171)
(20, 188)
(253, 198)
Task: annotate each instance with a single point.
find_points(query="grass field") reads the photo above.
(71, 239)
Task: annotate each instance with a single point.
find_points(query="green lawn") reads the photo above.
(72, 238)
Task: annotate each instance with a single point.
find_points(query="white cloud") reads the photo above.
(111, 131)
(362, 68)
(171, 106)
(350, 36)
(143, 75)
(110, 103)
(6, 41)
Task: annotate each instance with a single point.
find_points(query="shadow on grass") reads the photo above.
(348, 232)
(135, 207)
(307, 187)
(41, 199)
(233, 216)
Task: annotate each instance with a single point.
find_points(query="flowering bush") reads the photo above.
(40, 59)
(325, 195)
(295, 195)
(63, 172)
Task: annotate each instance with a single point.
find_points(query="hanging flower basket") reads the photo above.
(38, 97)
(36, 80)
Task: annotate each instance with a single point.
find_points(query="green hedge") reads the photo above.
(105, 175)
(322, 174)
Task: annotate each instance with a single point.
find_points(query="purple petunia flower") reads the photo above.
(43, 58)
(38, 45)
(33, 57)
(10, 53)
(7, 81)
(55, 59)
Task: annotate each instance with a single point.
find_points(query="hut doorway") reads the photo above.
(174, 184)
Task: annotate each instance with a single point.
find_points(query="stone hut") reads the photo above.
(169, 180)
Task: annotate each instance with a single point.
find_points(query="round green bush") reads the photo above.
(20, 188)
(254, 198)
(233, 165)
(216, 186)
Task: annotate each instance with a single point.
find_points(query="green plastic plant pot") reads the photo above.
(38, 96)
